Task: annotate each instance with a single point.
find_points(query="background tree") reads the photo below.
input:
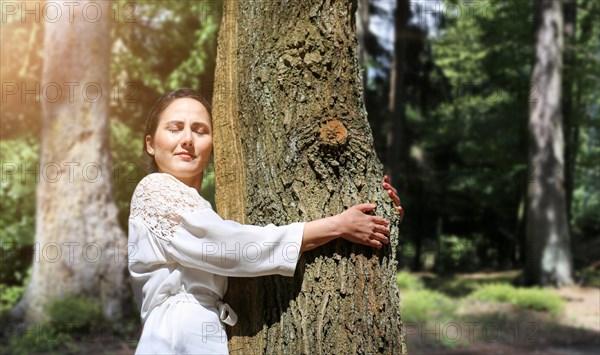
(292, 143)
(80, 247)
(549, 246)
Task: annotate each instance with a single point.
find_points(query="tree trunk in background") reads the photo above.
(292, 143)
(362, 31)
(80, 247)
(571, 128)
(397, 149)
(549, 250)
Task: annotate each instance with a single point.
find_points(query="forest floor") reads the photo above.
(472, 328)
(496, 328)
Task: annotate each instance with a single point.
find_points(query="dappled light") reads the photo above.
(483, 115)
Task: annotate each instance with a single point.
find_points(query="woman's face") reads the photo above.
(182, 143)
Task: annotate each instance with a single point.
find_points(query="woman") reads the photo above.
(184, 251)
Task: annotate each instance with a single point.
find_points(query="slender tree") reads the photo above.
(570, 113)
(549, 250)
(396, 139)
(292, 143)
(80, 248)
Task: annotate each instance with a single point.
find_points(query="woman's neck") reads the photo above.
(194, 182)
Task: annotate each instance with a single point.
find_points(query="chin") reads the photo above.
(185, 171)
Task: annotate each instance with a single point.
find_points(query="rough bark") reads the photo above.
(549, 249)
(80, 248)
(303, 151)
(362, 34)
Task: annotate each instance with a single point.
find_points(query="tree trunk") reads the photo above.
(397, 148)
(549, 249)
(292, 143)
(571, 121)
(80, 248)
(362, 34)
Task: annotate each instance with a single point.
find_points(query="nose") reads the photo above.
(187, 139)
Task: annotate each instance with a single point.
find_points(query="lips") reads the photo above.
(185, 154)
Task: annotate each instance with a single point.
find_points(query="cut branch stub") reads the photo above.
(334, 133)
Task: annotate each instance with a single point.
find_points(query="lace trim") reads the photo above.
(159, 199)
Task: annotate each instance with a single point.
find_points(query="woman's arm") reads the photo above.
(353, 225)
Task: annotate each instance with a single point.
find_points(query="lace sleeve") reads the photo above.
(159, 200)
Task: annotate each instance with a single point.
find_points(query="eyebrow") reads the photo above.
(181, 122)
(173, 122)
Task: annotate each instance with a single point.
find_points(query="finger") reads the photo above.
(365, 207)
(386, 179)
(380, 220)
(380, 238)
(401, 213)
(387, 186)
(394, 197)
(375, 244)
(381, 229)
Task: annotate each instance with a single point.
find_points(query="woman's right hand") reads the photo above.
(358, 227)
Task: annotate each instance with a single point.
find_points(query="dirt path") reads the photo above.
(582, 307)
(576, 330)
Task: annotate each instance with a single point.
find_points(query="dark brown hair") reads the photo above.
(161, 104)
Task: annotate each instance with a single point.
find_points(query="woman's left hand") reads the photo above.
(394, 195)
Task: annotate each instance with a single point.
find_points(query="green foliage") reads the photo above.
(527, 298)
(426, 305)
(456, 286)
(208, 185)
(74, 313)
(171, 44)
(495, 293)
(408, 282)
(591, 277)
(9, 295)
(126, 150)
(581, 81)
(70, 318)
(539, 300)
(38, 338)
(19, 160)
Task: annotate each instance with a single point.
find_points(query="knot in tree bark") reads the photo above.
(334, 133)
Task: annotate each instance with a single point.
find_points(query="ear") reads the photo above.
(149, 144)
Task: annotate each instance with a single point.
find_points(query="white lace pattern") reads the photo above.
(158, 201)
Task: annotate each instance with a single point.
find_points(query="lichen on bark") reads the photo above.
(306, 153)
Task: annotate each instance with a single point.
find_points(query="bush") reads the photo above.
(425, 305)
(17, 203)
(69, 318)
(74, 313)
(39, 338)
(9, 295)
(408, 282)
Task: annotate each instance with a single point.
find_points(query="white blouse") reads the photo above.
(180, 254)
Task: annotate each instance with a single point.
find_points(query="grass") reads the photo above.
(480, 306)
(423, 305)
(408, 282)
(461, 285)
(525, 298)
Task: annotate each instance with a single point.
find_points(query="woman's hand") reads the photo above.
(358, 227)
(394, 196)
(353, 225)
